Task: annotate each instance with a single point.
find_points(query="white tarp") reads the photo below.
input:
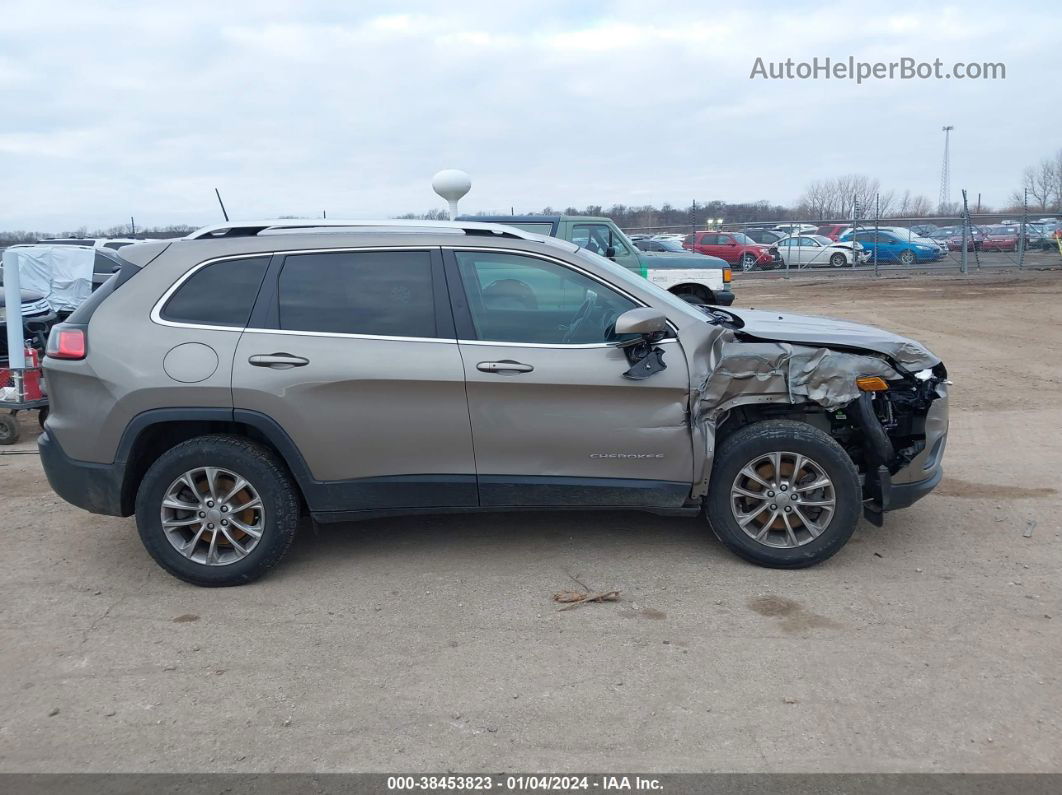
(62, 274)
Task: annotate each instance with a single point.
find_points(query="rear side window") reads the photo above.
(219, 294)
(382, 293)
(105, 264)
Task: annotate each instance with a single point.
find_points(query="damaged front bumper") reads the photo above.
(885, 490)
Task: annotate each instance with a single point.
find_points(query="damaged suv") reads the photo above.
(356, 369)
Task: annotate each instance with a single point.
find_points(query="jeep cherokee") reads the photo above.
(221, 385)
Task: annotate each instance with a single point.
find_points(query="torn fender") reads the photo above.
(727, 371)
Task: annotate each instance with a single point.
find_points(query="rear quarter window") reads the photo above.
(219, 294)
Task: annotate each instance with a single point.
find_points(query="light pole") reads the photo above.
(945, 172)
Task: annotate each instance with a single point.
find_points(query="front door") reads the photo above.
(598, 238)
(352, 354)
(554, 420)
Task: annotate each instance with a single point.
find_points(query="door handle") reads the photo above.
(505, 366)
(278, 361)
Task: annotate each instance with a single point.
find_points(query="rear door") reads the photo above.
(555, 421)
(353, 355)
(711, 243)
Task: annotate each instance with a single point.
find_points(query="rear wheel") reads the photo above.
(217, 510)
(783, 494)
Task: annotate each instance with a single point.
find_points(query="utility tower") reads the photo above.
(945, 173)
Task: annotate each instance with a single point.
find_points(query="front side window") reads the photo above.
(219, 294)
(379, 293)
(514, 298)
(597, 238)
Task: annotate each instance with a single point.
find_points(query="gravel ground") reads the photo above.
(427, 644)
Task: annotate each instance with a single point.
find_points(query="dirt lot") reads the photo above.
(429, 644)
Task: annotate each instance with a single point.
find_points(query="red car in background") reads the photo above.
(1000, 238)
(833, 231)
(736, 248)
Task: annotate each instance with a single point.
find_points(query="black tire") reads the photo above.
(260, 467)
(789, 436)
(838, 260)
(8, 429)
(42, 416)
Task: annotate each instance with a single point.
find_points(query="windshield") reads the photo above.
(741, 237)
(821, 239)
(671, 245)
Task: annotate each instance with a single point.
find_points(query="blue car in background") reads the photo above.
(891, 247)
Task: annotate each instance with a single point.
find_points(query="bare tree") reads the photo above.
(844, 197)
(1042, 184)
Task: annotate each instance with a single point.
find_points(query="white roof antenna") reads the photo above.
(451, 184)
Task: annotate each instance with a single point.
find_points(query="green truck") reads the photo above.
(697, 278)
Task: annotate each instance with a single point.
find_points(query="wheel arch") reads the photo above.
(704, 292)
(152, 433)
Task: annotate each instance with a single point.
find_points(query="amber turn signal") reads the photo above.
(872, 383)
(727, 275)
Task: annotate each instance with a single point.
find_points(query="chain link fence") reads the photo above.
(961, 242)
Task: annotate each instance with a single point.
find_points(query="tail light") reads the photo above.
(67, 342)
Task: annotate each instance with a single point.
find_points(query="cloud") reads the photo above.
(291, 108)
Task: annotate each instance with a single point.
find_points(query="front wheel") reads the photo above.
(838, 260)
(907, 257)
(217, 510)
(783, 494)
(694, 294)
(748, 262)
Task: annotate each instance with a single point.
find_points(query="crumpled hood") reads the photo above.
(827, 332)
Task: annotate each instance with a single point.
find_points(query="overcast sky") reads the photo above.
(119, 109)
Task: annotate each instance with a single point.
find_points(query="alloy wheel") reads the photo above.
(783, 499)
(213, 516)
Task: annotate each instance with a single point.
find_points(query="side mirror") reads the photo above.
(610, 252)
(643, 321)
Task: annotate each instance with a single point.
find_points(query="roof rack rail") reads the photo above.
(253, 228)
